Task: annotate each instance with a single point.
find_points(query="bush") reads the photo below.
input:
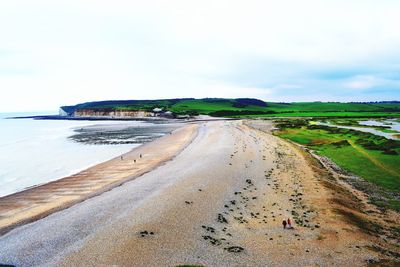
(242, 102)
(292, 124)
(389, 152)
(341, 143)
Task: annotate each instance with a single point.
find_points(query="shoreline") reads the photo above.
(39, 201)
(201, 118)
(58, 117)
(220, 202)
(46, 151)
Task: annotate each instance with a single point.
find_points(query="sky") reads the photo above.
(55, 53)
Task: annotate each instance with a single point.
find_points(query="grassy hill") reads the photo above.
(248, 107)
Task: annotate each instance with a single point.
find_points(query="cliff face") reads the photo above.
(112, 114)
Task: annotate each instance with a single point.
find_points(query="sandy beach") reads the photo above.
(210, 194)
(38, 202)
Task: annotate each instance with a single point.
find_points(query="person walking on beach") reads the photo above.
(289, 224)
(140, 155)
(284, 224)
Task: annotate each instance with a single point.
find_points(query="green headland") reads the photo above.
(248, 107)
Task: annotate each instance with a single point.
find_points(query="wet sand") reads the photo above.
(220, 202)
(38, 202)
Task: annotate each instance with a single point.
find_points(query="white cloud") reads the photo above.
(362, 82)
(289, 86)
(62, 52)
(367, 82)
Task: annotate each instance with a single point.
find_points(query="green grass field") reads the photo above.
(247, 107)
(371, 157)
(333, 114)
(306, 109)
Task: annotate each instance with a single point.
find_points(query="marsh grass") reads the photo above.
(374, 158)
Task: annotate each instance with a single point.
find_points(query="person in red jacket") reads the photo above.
(289, 223)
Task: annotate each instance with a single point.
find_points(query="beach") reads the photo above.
(39, 201)
(35, 152)
(210, 194)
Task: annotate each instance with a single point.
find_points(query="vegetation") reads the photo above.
(248, 107)
(371, 157)
(355, 122)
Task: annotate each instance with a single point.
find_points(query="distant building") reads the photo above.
(168, 114)
(157, 110)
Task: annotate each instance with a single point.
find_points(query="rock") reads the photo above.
(234, 249)
(221, 218)
(145, 233)
(213, 240)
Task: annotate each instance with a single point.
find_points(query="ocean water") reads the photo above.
(34, 152)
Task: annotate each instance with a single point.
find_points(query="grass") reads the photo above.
(371, 157)
(207, 106)
(328, 114)
(373, 165)
(387, 130)
(330, 106)
(246, 107)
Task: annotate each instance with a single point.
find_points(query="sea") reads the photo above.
(34, 152)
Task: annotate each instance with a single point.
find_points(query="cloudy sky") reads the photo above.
(55, 53)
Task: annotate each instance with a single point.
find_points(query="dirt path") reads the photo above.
(220, 202)
(372, 159)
